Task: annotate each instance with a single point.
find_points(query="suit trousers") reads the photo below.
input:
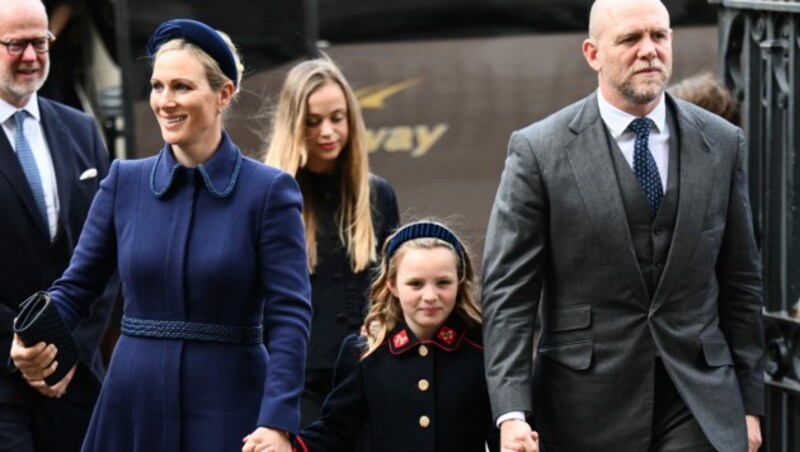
(675, 429)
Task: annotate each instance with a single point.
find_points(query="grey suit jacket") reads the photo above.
(558, 245)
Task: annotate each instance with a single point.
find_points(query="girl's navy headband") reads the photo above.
(200, 35)
(423, 229)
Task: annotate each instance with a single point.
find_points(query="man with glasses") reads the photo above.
(51, 161)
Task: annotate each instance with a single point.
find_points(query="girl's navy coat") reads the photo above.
(224, 247)
(415, 395)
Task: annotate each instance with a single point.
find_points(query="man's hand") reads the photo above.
(36, 362)
(516, 436)
(753, 433)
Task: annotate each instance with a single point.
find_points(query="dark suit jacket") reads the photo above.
(558, 241)
(29, 261)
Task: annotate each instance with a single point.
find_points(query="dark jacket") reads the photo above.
(29, 261)
(339, 295)
(415, 395)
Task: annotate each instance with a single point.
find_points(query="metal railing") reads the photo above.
(759, 46)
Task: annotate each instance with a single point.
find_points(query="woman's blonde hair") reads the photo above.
(385, 312)
(287, 151)
(216, 78)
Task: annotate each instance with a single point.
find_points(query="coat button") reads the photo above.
(423, 385)
(423, 350)
(341, 318)
(424, 421)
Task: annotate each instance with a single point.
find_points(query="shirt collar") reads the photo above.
(219, 173)
(448, 337)
(618, 121)
(7, 110)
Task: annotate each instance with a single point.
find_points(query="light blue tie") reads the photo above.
(28, 162)
(644, 166)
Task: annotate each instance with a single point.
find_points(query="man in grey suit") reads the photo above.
(623, 223)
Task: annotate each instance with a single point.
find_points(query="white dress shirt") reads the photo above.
(618, 121)
(34, 132)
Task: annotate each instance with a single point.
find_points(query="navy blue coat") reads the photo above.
(228, 249)
(415, 395)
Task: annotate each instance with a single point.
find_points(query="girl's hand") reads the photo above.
(516, 436)
(35, 363)
(265, 439)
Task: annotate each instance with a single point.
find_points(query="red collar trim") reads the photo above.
(448, 338)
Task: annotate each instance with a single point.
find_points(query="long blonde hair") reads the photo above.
(385, 312)
(287, 151)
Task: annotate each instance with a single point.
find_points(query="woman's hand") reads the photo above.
(265, 439)
(35, 363)
(57, 390)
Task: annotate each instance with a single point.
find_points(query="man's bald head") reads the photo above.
(22, 73)
(603, 11)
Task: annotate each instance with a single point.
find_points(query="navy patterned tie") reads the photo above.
(28, 162)
(644, 166)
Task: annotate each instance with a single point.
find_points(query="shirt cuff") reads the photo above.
(511, 415)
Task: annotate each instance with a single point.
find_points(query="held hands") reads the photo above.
(265, 439)
(516, 436)
(38, 362)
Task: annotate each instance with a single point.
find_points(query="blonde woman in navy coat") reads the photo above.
(416, 378)
(209, 246)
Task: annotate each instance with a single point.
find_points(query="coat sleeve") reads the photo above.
(344, 411)
(514, 257)
(89, 333)
(387, 208)
(95, 257)
(287, 308)
(740, 295)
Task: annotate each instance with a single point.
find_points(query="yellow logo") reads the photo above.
(417, 140)
(374, 96)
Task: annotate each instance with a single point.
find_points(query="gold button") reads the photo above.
(423, 385)
(423, 350)
(424, 421)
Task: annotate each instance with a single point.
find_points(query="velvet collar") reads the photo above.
(449, 337)
(219, 173)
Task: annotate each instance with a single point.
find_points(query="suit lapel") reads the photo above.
(11, 169)
(60, 143)
(696, 180)
(597, 182)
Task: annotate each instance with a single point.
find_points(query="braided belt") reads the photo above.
(192, 331)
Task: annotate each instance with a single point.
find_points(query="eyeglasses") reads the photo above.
(40, 45)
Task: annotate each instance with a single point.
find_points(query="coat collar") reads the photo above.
(220, 173)
(449, 337)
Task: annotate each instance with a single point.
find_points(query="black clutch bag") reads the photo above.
(39, 321)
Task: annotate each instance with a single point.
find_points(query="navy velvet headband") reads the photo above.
(200, 35)
(420, 230)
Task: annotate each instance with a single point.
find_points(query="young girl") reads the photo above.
(318, 136)
(417, 377)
